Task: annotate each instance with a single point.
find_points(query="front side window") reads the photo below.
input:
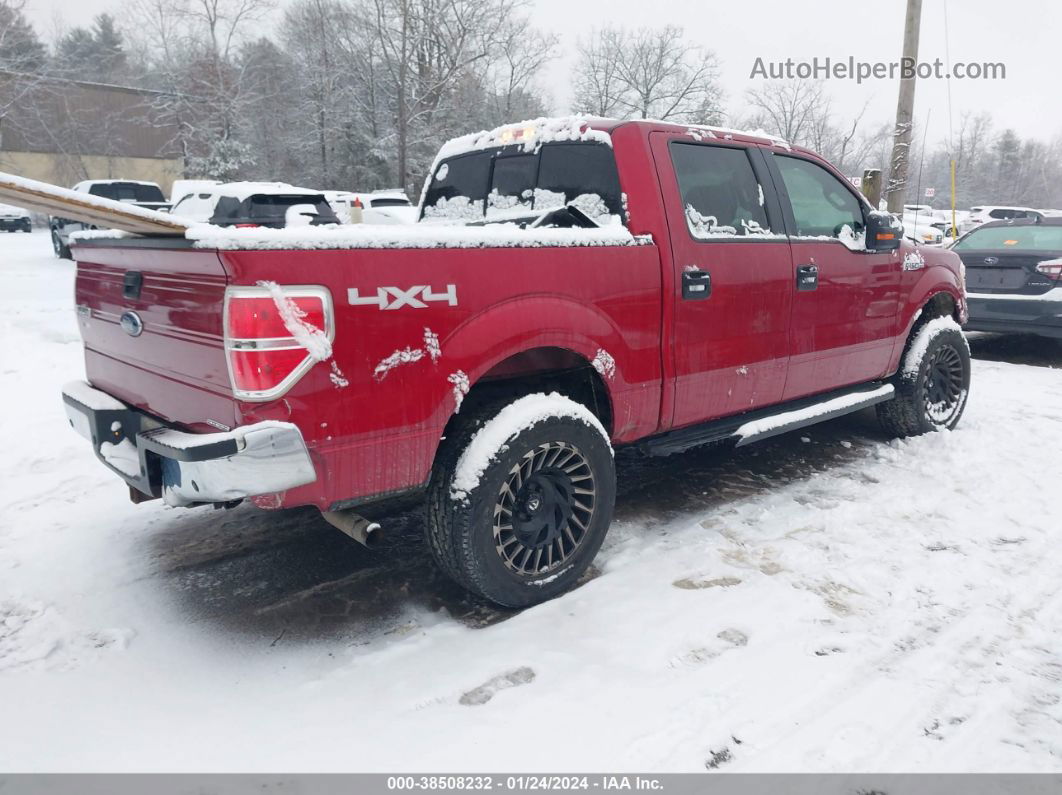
(822, 205)
(721, 196)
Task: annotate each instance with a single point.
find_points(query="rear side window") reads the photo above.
(822, 205)
(721, 196)
(580, 174)
(499, 182)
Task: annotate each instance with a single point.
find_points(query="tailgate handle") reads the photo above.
(134, 280)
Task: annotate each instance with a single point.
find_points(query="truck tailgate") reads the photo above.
(168, 358)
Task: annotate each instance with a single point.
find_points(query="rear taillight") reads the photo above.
(1051, 268)
(267, 333)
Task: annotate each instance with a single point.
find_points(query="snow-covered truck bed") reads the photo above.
(572, 285)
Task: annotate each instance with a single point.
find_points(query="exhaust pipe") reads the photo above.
(357, 527)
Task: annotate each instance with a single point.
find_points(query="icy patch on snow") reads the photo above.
(33, 636)
(604, 364)
(122, 456)
(406, 355)
(306, 334)
(912, 360)
(515, 418)
(757, 427)
(461, 385)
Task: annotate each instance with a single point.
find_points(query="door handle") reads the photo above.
(696, 284)
(807, 277)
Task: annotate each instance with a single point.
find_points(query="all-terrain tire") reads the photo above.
(933, 382)
(528, 527)
(61, 249)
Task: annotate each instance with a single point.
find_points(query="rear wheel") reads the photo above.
(933, 383)
(521, 498)
(62, 250)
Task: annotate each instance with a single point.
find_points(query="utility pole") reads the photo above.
(901, 136)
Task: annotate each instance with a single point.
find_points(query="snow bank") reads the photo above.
(495, 435)
(363, 236)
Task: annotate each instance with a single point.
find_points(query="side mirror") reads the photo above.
(884, 231)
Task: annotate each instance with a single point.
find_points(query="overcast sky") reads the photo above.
(1022, 34)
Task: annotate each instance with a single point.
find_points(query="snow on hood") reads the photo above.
(361, 236)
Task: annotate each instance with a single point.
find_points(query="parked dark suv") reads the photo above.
(1014, 276)
(142, 194)
(14, 219)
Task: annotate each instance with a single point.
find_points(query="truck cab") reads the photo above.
(573, 285)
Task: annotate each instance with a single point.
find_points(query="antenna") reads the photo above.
(921, 161)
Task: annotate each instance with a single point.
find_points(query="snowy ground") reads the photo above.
(825, 601)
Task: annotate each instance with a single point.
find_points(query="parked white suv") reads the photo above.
(142, 194)
(984, 213)
(378, 207)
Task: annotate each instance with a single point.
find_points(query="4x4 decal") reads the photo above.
(416, 297)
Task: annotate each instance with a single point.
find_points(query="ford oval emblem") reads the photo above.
(991, 260)
(132, 324)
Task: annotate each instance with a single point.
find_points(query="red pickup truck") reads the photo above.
(572, 285)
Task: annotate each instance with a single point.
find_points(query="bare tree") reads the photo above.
(647, 73)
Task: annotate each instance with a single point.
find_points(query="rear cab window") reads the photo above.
(509, 182)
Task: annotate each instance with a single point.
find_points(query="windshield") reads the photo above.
(1034, 237)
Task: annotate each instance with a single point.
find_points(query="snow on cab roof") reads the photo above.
(531, 134)
(535, 132)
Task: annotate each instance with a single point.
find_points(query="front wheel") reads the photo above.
(521, 498)
(62, 250)
(933, 383)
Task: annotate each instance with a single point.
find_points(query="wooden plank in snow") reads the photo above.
(43, 197)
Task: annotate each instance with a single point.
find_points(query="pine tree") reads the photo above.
(20, 48)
